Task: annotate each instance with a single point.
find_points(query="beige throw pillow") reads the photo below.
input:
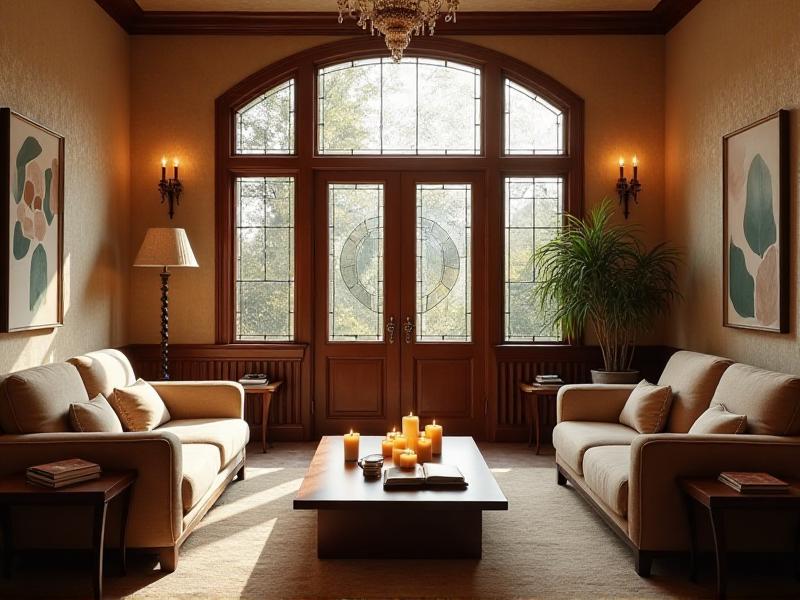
(718, 419)
(139, 407)
(647, 407)
(96, 415)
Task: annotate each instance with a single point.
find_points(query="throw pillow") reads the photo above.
(647, 407)
(139, 407)
(718, 419)
(96, 415)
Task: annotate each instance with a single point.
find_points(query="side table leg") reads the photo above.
(529, 413)
(123, 532)
(98, 539)
(692, 537)
(720, 550)
(265, 398)
(8, 540)
(537, 422)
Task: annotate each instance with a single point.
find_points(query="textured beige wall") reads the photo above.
(728, 63)
(66, 65)
(175, 80)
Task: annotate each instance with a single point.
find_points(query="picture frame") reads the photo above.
(755, 192)
(31, 224)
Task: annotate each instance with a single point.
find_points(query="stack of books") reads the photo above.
(753, 483)
(549, 380)
(63, 473)
(254, 379)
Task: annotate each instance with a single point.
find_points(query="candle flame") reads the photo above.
(434, 421)
(635, 161)
(411, 414)
(394, 429)
(163, 161)
(351, 432)
(176, 163)
(621, 161)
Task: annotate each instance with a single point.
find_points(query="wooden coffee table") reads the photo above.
(356, 518)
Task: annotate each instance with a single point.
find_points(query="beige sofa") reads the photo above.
(630, 479)
(183, 466)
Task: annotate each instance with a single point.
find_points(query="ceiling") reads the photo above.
(330, 5)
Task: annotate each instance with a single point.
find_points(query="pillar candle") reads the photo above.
(407, 459)
(351, 446)
(387, 446)
(424, 449)
(411, 430)
(391, 434)
(398, 446)
(434, 432)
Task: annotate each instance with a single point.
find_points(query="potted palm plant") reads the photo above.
(599, 272)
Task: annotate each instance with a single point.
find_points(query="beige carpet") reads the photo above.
(253, 545)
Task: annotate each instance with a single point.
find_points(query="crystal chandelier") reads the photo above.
(397, 20)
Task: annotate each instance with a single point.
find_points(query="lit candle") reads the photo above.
(424, 449)
(163, 168)
(411, 429)
(398, 446)
(351, 446)
(407, 459)
(635, 168)
(434, 433)
(387, 445)
(391, 434)
(175, 168)
(621, 168)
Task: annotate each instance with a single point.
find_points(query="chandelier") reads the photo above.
(397, 20)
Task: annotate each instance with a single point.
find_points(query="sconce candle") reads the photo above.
(621, 168)
(163, 169)
(351, 441)
(175, 166)
(635, 168)
(170, 189)
(628, 190)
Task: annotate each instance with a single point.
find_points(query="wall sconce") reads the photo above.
(628, 190)
(170, 189)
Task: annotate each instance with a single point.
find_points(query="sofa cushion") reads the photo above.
(94, 416)
(104, 370)
(647, 408)
(693, 378)
(37, 400)
(718, 419)
(139, 407)
(230, 436)
(201, 465)
(770, 400)
(606, 470)
(573, 438)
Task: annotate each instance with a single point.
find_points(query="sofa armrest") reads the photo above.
(156, 509)
(591, 402)
(202, 399)
(656, 510)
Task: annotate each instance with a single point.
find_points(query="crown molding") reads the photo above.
(658, 21)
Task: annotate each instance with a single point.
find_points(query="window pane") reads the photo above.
(532, 125)
(417, 106)
(533, 217)
(266, 125)
(444, 240)
(265, 259)
(355, 262)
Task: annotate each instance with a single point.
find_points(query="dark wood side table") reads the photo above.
(265, 391)
(16, 491)
(532, 392)
(716, 498)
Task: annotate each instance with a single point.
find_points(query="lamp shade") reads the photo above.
(165, 247)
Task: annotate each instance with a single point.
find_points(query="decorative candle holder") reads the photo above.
(170, 189)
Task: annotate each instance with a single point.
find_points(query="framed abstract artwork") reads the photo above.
(31, 224)
(755, 189)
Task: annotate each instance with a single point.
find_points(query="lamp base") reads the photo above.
(165, 324)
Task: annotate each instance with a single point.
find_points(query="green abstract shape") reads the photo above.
(48, 212)
(30, 149)
(740, 283)
(21, 244)
(38, 277)
(760, 230)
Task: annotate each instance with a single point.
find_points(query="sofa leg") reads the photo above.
(168, 557)
(642, 562)
(560, 479)
(240, 475)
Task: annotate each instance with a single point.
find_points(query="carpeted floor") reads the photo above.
(253, 545)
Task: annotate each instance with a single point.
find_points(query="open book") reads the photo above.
(428, 475)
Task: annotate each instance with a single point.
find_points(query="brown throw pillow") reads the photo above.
(718, 419)
(139, 407)
(647, 407)
(96, 415)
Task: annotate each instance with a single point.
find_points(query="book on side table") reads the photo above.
(427, 475)
(753, 483)
(63, 472)
(254, 379)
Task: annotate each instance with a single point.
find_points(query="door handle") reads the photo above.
(409, 329)
(390, 328)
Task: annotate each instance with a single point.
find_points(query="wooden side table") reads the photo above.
(716, 498)
(265, 391)
(532, 392)
(16, 491)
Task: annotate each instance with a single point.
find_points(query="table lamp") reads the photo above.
(165, 247)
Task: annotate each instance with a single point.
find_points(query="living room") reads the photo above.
(539, 253)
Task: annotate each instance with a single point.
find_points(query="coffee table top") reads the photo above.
(331, 483)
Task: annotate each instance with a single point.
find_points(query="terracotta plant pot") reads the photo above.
(615, 376)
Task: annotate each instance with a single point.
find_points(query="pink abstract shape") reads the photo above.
(767, 288)
(35, 175)
(28, 193)
(39, 225)
(27, 227)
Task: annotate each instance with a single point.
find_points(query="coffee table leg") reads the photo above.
(718, 529)
(97, 543)
(8, 540)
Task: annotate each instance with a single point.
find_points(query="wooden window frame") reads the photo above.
(301, 165)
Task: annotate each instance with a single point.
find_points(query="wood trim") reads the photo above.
(658, 21)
